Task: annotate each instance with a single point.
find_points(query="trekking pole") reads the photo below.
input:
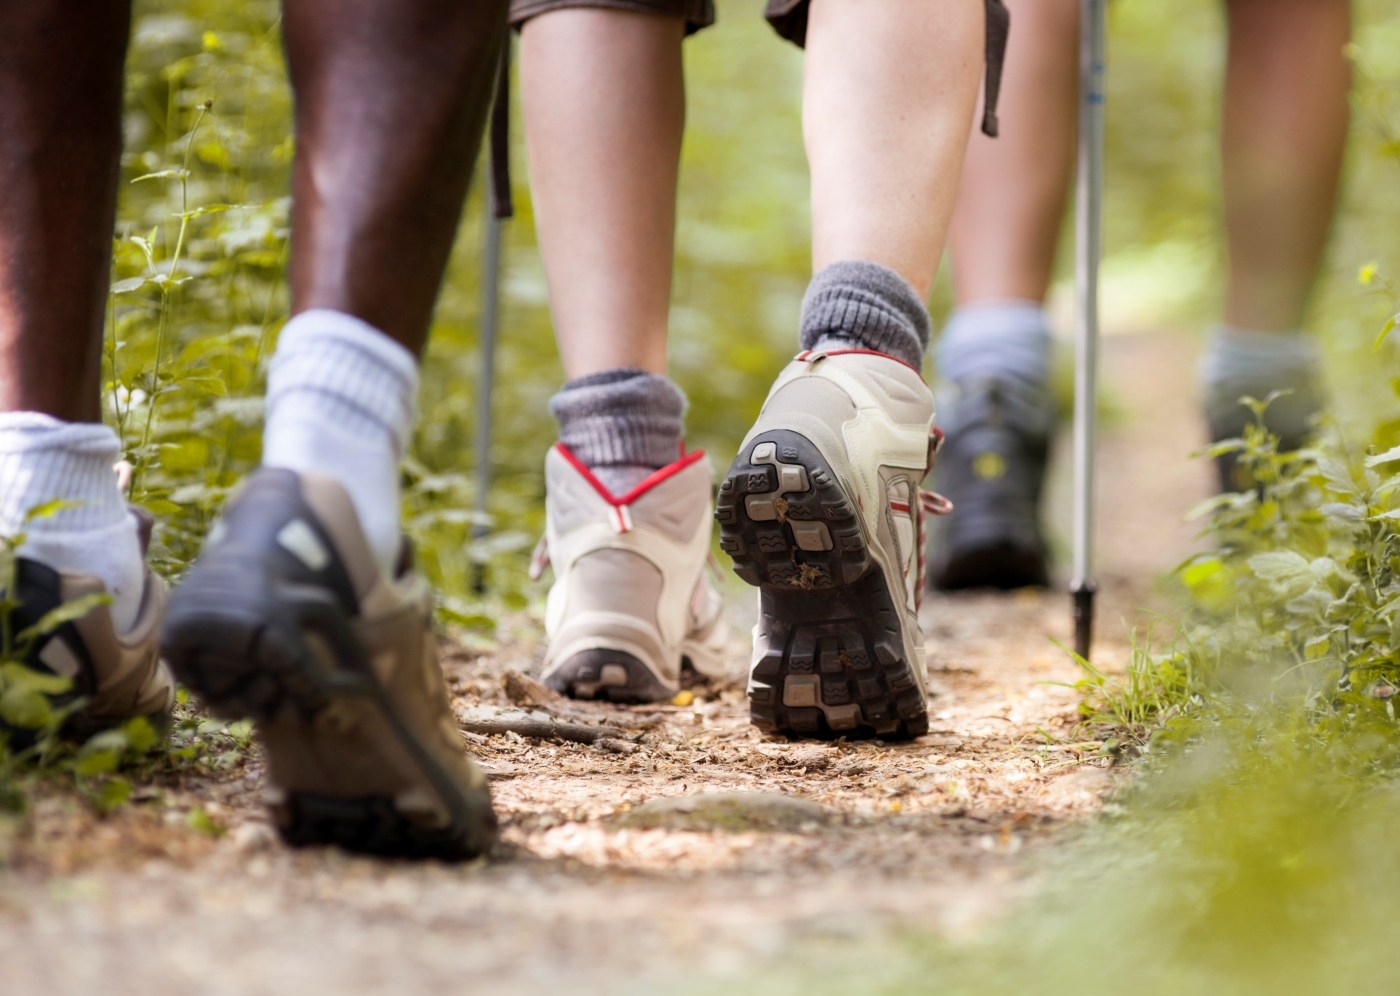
(490, 324)
(1088, 247)
(499, 207)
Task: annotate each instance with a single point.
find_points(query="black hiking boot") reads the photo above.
(992, 468)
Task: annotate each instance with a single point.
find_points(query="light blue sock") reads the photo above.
(1239, 362)
(996, 340)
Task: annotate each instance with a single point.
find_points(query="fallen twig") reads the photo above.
(616, 746)
(535, 727)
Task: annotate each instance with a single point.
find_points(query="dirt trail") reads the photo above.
(587, 896)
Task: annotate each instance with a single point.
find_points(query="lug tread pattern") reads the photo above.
(594, 674)
(830, 655)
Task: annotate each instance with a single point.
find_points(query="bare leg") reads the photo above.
(1284, 127)
(60, 144)
(604, 150)
(1007, 221)
(887, 104)
(391, 97)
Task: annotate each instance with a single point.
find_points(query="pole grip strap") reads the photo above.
(998, 29)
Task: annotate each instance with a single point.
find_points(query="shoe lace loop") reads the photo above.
(539, 560)
(931, 502)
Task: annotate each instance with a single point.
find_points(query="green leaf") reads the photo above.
(1208, 580)
(65, 613)
(14, 674)
(25, 709)
(477, 621)
(204, 823)
(1280, 566)
(48, 509)
(165, 174)
(97, 762)
(114, 792)
(128, 285)
(1317, 647)
(1391, 454)
(112, 741)
(1386, 329)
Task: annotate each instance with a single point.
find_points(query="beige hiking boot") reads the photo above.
(821, 510)
(286, 618)
(630, 599)
(118, 676)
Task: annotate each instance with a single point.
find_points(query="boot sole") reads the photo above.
(289, 659)
(609, 676)
(834, 662)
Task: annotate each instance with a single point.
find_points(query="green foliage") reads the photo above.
(1153, 691)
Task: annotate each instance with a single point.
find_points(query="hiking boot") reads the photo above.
(993, 470)
(630, 601)
(119, 676)
(287, 618)
(1289, 417)
(821, 511)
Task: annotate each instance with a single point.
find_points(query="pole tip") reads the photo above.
(1082, 599)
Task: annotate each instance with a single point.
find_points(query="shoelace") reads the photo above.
(931, 502)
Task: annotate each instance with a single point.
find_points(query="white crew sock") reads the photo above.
(340, 402)
(42, 459)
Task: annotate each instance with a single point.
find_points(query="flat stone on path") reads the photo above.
(733, 811)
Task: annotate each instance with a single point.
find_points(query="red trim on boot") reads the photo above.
(809, 355)
(651, 481)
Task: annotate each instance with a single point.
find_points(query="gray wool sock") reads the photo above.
(622, 424)
(860, 305)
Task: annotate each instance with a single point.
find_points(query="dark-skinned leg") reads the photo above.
(61, 67)
(301, 613)
(391, 96)
(60, 145)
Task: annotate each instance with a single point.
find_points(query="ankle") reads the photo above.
(861, 305)
(340, 402)
(44, 459)
(621, 424)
